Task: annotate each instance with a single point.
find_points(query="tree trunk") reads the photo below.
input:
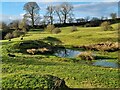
(32, 18)
(65, 17)
(51, 20)
(32, 22)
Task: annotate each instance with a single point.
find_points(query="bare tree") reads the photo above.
(66, 11)
(81, 20)
(102, 18)
(50, 12)
(57, 11)
(46, 19)
(95, 19)
(87, 19)
(70, 20)
(77, 20)
(113, 15)
(32, 11)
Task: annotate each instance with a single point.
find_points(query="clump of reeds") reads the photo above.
(86, 56)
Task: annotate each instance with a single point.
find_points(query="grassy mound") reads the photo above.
(22, 46)
(33, 81)
(31, 44)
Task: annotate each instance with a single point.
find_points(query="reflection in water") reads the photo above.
(106, 63)
(67, 53)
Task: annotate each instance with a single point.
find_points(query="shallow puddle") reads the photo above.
(106, 63)
(69, 53)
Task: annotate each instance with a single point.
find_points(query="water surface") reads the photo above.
(69, 53)
(106, 63)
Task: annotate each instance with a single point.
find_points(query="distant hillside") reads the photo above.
(94, 23)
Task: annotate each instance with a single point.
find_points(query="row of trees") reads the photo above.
(63, 12)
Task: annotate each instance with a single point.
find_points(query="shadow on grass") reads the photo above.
(29, 61)
(52, 40)
(37, 30)
(104, 57)
(8, 42)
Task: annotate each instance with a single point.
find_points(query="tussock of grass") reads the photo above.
(86, 56)
(103, 46)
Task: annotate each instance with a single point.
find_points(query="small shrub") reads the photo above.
(49, 28)
(74, 28)
(106, 26)
(17, 33)
(25, 30)
(86, 56)
(56, 31)
(8, 36)
(23, 25)
(87, 25)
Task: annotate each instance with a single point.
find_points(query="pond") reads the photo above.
(106, 63)
(69, 53)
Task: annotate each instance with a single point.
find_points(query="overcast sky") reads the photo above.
(12, 10)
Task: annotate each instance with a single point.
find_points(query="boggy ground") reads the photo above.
(75, 74)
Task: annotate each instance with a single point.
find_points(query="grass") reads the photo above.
(75, 74)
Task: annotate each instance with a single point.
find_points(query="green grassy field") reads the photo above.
(16, 71)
